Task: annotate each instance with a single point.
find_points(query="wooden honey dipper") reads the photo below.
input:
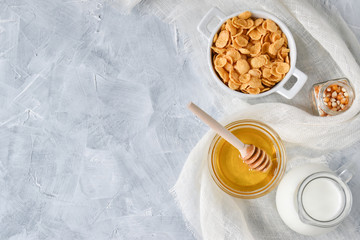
(256, 158)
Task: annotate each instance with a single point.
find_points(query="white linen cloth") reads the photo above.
(327, 49)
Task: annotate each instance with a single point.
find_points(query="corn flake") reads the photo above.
(258, 21)
(234, 76)
(257, 62)
(218, 50)
(222, 39)
(250, 23)
(253, 90)
(270, 25)
(244, 15)
(220, 61)
(230, 27)
(255, 73)
(282, 68)
(244, 78)
(233, 85)
(241, 41)
(255, 34)
(234, 54)
(228, 67)
(242, 66)
(240, 22)
(244, 51)
(223, 73)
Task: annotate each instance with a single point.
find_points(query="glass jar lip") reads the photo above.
(345, 85)
(280, 154)
(303, 214)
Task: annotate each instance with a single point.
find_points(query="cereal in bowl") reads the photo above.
(250, 54)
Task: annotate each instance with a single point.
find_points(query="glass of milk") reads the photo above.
(312, 199)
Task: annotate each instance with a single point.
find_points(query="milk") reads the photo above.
(303, 202)
(323, 199)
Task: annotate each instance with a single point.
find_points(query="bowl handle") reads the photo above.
(203, 25)
(300, 81)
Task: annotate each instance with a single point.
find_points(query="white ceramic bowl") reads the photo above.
(215, 13)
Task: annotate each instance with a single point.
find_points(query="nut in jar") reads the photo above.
(332, 97)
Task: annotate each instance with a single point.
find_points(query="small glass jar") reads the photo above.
(332, 97)
(232, 175)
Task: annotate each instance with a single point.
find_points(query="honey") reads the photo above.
(234, 176)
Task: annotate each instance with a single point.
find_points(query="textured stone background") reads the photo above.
(93, 125)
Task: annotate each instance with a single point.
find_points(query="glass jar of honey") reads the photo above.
(332, 97)
(234, 176)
